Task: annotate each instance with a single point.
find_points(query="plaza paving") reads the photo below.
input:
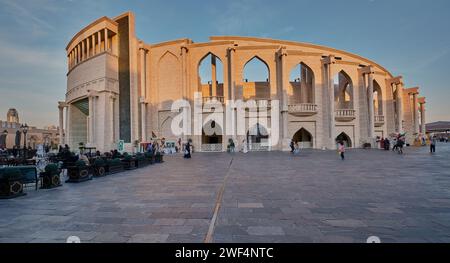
(262, 197)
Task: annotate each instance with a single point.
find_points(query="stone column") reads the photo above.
(416, 113)
(371, 106)
(422, 118)
(61, 107)
(88, 47)
(91, 119)
(83, 49)
(99, 44)
(328, 64)
(75, 55)
(284, 100)
(112, 98)
(303, 85)
(106, 40)
(399, 107)
(143, 99)
(213, 76)
(67, 128)
(184, 89)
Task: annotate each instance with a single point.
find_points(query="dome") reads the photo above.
(12, 115)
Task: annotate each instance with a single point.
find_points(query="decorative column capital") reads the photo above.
(412, 91)
(329, 60)
(396, 80)
(422, 100)
(184, 48)
(92, 93)
(142, 100)
(62, 104)
(368, 70)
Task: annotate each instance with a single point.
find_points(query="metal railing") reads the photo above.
(379, 118)
(345, 113)
(213, 99)
(303, 108)
(211, 147)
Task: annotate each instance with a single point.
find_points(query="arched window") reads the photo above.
(377, 99)
(256, 79)
(210, 74)
(302, 84)
(343, 91)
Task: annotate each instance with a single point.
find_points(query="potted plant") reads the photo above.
(149, 156)
(51, 176)
(10, 183)
(80, 172)
(114, 166)
(129, 162)
(99, 167)
(141, 160)
(159, 157)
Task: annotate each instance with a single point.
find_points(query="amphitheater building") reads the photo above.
(120, 88)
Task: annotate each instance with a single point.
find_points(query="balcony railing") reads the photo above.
(345, 114)
(212, 147)
(258, 147)
(302, 109)
(379, 120)
(263, 103)
(213, 99)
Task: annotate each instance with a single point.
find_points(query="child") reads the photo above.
(341, 150)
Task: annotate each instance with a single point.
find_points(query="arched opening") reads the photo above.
(303, 138)
(79, 112)
(377, 99)
(344, 138)
(210, 76)
(302, 84)
(257, 138)
(166, 130)
(211, 137)
(343, 91)
(256, 83)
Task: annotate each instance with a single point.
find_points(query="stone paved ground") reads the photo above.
(267, 197)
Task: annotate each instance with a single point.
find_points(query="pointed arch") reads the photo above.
(304, 138)
(256, 82)
(344, 138)
(165, 130)
(210, 75)
(302, 84)
(257, 133)
(255, 66)
(166, 54)
(377, 98)
(343, 91)
(212, 133)
(169, 79)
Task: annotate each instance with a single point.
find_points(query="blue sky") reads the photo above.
(410, 38)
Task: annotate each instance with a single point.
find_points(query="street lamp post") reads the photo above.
(24, 129)
(5, 135)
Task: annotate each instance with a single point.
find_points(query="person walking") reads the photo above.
(187, 150)
(433, 144)
(341, 150)
(386, 144)
(291, 145)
